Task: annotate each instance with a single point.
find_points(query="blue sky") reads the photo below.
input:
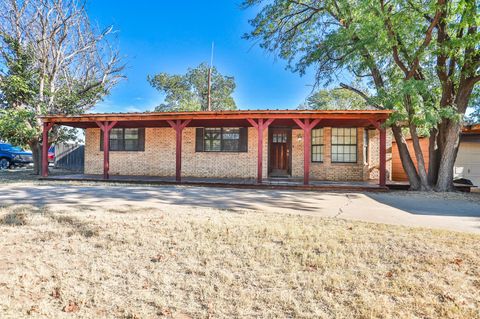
(170, 36)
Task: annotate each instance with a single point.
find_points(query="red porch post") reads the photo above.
(178, 126)
(307, 141)
(106, 127)
(46, 128)
(383, 156)
(261, 125)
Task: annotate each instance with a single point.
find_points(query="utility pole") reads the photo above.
(209, 97)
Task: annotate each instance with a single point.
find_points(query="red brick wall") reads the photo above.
(158, 159)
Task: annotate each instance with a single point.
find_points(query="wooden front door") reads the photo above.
(280, 142)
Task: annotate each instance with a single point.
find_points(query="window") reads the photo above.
(221, 139)
(317, 145)
(130, 139)
(125, 139)
(230, 139)
(344, 145)
(279, 137)
(213, 140)
(116, 139)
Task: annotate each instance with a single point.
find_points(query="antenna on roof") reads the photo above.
(211, 56)
(209, 97)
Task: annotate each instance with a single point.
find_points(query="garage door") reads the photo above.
(467, 164)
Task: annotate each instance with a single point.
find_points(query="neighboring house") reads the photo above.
(467, 164)
(317, 145)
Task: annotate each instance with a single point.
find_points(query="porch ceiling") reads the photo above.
(223, 118)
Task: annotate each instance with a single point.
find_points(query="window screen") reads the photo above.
(221, 139)
(344, 145)
(125, 139)
(317, 145)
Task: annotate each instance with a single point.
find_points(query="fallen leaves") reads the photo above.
(157, 258)
(56, 293)
(32, 310)
(457, 261)
(71, 307)
(446, 297)
(311, 267)
(165, 312)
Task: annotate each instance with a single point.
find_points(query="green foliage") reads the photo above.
(335, 99)
(18, 81)
(474, 116)
(17, 126)
(17, 91)
(75, 100)
(189, 92)
(371, 40)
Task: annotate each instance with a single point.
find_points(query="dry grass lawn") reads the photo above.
(201, 263)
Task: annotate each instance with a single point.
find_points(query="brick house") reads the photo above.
(312, 145)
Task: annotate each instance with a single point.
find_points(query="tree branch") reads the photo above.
(362, 94)
(427, 40)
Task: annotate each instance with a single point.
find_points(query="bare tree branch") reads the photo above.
(71, 55)
(362, 94)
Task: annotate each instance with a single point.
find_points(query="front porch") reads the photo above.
(268, 183)
(232, 147)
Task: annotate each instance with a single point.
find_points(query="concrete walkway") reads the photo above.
(412, 209)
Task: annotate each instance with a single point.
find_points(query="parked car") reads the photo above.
(11, 156)
(51, 154)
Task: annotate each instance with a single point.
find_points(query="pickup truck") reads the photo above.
(11, 156)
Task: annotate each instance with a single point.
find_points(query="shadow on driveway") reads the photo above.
(426, 204)
(207, 197)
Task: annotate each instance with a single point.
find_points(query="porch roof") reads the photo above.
(471, 129)
(357, 118)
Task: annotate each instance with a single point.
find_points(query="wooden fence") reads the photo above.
(70, 156)
(398, 174)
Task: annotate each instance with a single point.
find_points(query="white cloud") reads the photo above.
(104, 106)
(132, 108)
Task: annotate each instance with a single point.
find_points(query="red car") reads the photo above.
(51, 154)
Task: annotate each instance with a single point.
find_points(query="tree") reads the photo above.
(335, 99)
(474, 116)
(189, 92)
(418, 58)
(53, 62)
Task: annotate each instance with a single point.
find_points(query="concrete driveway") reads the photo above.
(455, 212)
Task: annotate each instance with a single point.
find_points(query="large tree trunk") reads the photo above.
(421, 167)
(36, 148)
(407, 162)
(434, 156)
(451, 137)
(447, 161)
